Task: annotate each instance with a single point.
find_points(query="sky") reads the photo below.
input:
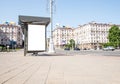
(66, 12)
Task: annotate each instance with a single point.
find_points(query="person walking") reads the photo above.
(8, 48)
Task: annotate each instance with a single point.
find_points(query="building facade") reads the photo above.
(10, 33)
(62, 35)
(88, 36)
(92, 35)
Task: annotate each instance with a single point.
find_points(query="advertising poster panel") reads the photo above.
(36, 37)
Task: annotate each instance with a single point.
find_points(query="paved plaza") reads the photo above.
(58, 69)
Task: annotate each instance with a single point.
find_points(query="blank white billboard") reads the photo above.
(36, 37)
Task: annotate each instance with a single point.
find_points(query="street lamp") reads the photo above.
(97, 38)
(51, 44)
(12, 38)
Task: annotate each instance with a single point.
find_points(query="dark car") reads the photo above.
(67, 49)
(76, 48)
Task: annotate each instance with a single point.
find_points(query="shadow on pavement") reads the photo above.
(50, 54)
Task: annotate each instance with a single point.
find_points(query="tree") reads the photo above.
(114, 36)
(107, 44)
(72, 43)
(67, 45)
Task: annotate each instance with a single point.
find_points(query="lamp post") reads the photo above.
(97, 42)
(51, 44)
(12, 37)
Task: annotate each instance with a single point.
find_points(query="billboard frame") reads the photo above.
(24, 21)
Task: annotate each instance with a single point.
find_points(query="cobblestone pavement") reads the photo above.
(58, 69)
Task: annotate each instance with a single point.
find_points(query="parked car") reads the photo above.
(76, 48)
(84, 49)
(66, 48)
(109, 48)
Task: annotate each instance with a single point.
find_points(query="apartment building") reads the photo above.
(77, 35)
(62, 35)
(88, 36)
(92, 35)
(10, 33)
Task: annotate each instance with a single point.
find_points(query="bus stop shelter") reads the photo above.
(35, 33)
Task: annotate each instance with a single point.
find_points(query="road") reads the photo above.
(89, 52)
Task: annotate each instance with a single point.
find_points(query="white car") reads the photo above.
(109, 48)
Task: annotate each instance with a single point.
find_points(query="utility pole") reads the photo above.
(51, 43)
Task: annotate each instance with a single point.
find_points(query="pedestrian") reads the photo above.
(15, 47)
(8, 48)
